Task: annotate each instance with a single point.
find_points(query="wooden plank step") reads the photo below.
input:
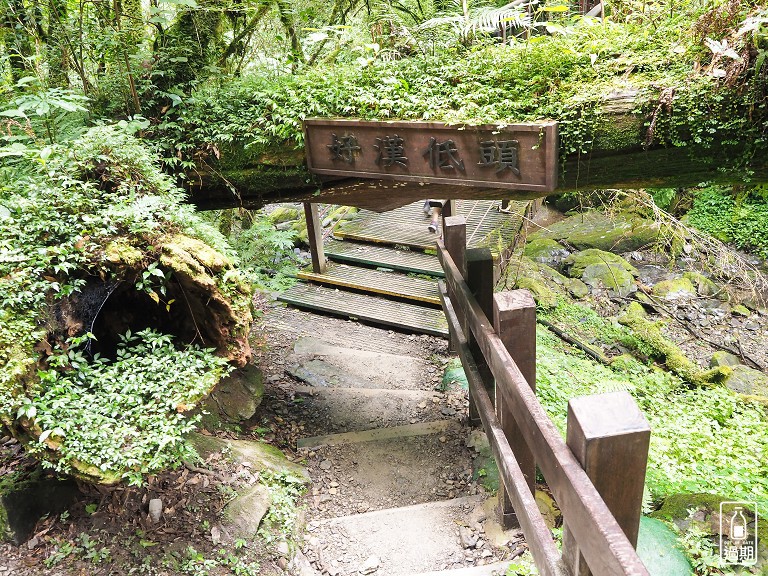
(384, 283)
(403, 260)
(400, 315)
(394, 233)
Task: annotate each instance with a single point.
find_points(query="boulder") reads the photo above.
(594, 229)
(244, 514)
(723, 358)
(235, 398)
(284, 214)
(546, 251)
(597, 268)
(746, 380)
(545, 284)
(741, 310)
(674, 289)
(706, 287)
(660, 551)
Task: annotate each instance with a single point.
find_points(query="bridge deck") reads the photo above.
(380, 254)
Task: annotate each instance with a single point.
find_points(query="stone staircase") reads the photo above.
(393, 490)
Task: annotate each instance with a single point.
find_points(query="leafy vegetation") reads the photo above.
(690, 425)
(738, 217)
(79, 221)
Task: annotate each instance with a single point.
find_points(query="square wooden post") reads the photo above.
(480, 282)
(315, 237)
(514, 320)
(609, 436)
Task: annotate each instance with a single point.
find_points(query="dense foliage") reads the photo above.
(72, 219)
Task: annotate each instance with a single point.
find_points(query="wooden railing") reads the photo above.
(596, 476)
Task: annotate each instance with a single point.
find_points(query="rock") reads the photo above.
(675, 288)
(283, 549)
(244, 514)
(155, 509)
(595, 229)
(259, 455)
(235, 398)
(577, 288)
(618, 282)
(283, 214)
(746, 380)
(369, 566)
(546, 251)
(704, 286)
(740, 310)
(660, 550)
(723, 358)
(467, 538)
(325, 465)
(548, 508)
(26, 499)
(545, 284)
(215, 535)
(576, 264)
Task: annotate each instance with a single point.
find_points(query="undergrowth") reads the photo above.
(690, 425)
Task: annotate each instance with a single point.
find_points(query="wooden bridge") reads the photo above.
(383, 268)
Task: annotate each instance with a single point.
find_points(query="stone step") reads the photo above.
(424, 539)
(388, 467)
(327, 410)
(379, 434)
(323, 365)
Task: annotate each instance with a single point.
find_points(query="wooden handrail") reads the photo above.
(601, 540)
(538, 536)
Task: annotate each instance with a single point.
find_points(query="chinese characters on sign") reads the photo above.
(390, 150)
(343, 148)
(738, 533)
(514, 156)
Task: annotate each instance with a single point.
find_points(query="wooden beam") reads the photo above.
(537, 535)
(514, 320)
(479, 275)
(609, 436)
(602, 542)
(315, 237)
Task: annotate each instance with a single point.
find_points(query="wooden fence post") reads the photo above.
(479, 278)
(514, 320)
(609, 436)
(315, 237)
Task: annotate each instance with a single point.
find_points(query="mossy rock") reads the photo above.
(284, 214)
(546, 251)
(666, 351)
(746, 380)
(546, 284)
(723, 358)
(122, 253)
(706, 287)
(577, 263)
(260, 455)
(235, 398)
(741, 310)
(675, 288)
(623, 232)
(677, 508)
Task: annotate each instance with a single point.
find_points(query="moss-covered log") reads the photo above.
(120, 310)
(649, 112)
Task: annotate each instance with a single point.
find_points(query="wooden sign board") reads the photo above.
(515, 157)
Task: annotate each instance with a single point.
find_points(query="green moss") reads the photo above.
(283, 214)
(596, 229)
(546, 284)
(577, 263)
(545, 250)
(676, 506)
(741, 310)
(674, 288)
(664, 350)
(705, 286)
(120, 252)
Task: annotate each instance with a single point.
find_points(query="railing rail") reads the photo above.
(594, 540)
